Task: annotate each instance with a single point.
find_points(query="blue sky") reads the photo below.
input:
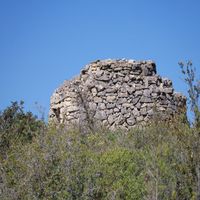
(44, 42)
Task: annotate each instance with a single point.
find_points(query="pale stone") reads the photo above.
(126, 79)
(135, 100)
(92, 106)
(111, 105)
(97, 99)
(138, 105)
(131, 90)
(100, 87)
(116, 110)
(121, 100)
(110, 99)
(167, 90)
(117, 69)
(127, 105)
(110, 119)
(145, 99)
(104, 78)
(127, 115)
(118, 93)
(99, 73)
(140, 118)
(131, 121)
(147, 93)
(143, 111)
(94, 91)
(72, 109)
(111, 90)
(138, 93)
(101, 106)
(120, 120)
(101, 115)
(135, 112)
(124, 94)
(150, 112)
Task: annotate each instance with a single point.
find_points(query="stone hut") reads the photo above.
(116, 93)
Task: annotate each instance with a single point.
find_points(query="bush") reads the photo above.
(156, 162)
(17, 126)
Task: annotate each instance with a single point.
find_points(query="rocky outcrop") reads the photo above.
(117, 93)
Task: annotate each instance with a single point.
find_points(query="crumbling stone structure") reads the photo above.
(117, 93)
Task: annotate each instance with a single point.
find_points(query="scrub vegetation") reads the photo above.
(156, 162)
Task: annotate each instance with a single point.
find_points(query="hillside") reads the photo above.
(160, 160)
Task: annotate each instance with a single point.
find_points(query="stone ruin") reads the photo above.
(116, 93)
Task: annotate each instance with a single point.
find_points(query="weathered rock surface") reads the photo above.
(118, 93)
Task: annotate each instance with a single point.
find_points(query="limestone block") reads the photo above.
(116, 110)
(110, 105)
(111, 119)
(145, 99)
(100, 115)
(111, 99)
(72, 109)
(104, 77)
(139, 118)
(135, 100)
(101, 106)
(147, 93)
(92, 106)
(167, 90)
(127, 105)
(98, 99)
(94, 91)
(131, 121)
(123, 94)
(138, 93)
(100, 87)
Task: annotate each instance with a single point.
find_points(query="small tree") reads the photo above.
(193, 84)
(16, 125)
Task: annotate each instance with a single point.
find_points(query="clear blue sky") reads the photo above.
(44, 42)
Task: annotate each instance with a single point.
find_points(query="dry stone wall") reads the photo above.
(117, 93)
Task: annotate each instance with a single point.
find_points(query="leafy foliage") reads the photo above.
(16, 125)
(158, 161)
(193, 88)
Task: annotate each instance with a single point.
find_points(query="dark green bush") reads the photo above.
(17, 126)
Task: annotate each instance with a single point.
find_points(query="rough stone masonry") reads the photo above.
(117, 93)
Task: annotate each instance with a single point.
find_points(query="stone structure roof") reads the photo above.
(117, 93)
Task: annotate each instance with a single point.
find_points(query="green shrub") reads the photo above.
(156, 162)
(16, 125)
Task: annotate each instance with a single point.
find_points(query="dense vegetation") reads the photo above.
(159, 161)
